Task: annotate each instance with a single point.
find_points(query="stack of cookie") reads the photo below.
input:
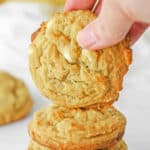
(83, 85)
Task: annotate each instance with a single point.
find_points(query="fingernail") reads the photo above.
(86, 38)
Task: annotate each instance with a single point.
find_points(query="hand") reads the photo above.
(116, 19)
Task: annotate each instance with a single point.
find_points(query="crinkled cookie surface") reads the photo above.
(119, 146)
(15, 101)
(61, 128)
(72, 76)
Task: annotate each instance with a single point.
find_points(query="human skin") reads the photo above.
(115, 20)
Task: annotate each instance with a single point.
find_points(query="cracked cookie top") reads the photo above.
(70, 75)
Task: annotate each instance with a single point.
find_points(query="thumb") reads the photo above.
(111, 26)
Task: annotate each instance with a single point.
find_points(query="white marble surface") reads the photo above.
(17, 22)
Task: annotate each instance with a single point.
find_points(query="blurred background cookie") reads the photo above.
(62, 128)
(54, 2)
(119, 146)
(72, 76)
(47, 7)
(1, 1)
(15, 100)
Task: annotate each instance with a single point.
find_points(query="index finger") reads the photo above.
(79, 4)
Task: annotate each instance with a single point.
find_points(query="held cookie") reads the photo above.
(15, 101)
(119, 146)
(77, 129)
(72, 76)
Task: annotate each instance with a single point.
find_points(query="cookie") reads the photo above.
(77, 129)
(69, 75)
(15, 101)
(119, 146)
(35, 146)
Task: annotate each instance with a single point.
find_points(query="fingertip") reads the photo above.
(86, 37)
(81, 40)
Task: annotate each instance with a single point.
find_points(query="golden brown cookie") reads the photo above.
(35, 146)
(77, 129)
(15, 101)
(72, 76)
(119, 146)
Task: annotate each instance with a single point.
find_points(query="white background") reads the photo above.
(17, 22)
